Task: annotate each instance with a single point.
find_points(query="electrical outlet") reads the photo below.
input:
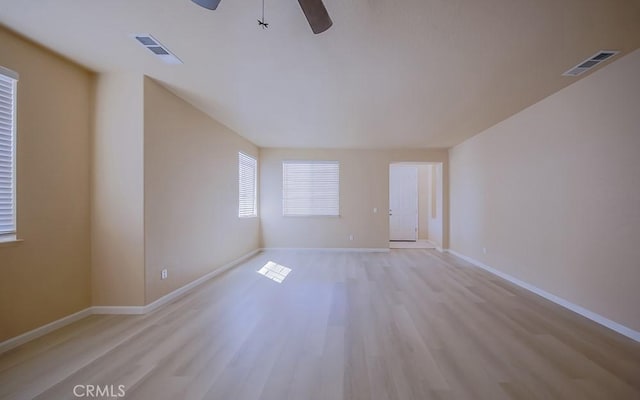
(375, 210)
(350, 237)
(484, 250)
(164, 274)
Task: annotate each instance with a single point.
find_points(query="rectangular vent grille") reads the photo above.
(157, 48)
(146, 40)
(591, 62)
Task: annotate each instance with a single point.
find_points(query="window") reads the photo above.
(248, 168)
(8, 81)
(310, 188)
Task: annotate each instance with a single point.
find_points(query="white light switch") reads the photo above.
(375, 210)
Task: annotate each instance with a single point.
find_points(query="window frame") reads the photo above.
(11, 77)
(286, 212)
(252, 163)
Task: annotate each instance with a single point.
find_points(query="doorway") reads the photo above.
(415, 205)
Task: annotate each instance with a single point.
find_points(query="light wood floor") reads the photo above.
(408, 324)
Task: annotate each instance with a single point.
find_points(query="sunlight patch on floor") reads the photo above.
(274, 271)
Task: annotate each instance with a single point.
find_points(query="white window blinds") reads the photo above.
(8, 81)
(310, 188)
(248, 171)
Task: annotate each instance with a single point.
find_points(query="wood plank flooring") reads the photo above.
(408, 324)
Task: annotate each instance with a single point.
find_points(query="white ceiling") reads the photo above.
(412, 73)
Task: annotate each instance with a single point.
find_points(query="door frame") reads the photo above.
(439, 198)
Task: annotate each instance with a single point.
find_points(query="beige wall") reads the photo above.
(46, 277)
(553, 193)
(364, 185)
(117, 216)
(191, 193)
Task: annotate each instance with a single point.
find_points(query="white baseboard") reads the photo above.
(621, 329)
(120, 310)
(333, 249)
(189, 286)
(43, 330)
(117, 310)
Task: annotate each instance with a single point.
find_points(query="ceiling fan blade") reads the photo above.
(316, 14)
(210, 4)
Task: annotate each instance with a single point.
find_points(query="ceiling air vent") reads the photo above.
(591, 62)
(157, 48)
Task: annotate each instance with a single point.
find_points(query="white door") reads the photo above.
(403, 202)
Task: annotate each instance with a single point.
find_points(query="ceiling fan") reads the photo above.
(314, 10)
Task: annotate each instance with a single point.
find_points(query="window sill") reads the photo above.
(10, 241)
